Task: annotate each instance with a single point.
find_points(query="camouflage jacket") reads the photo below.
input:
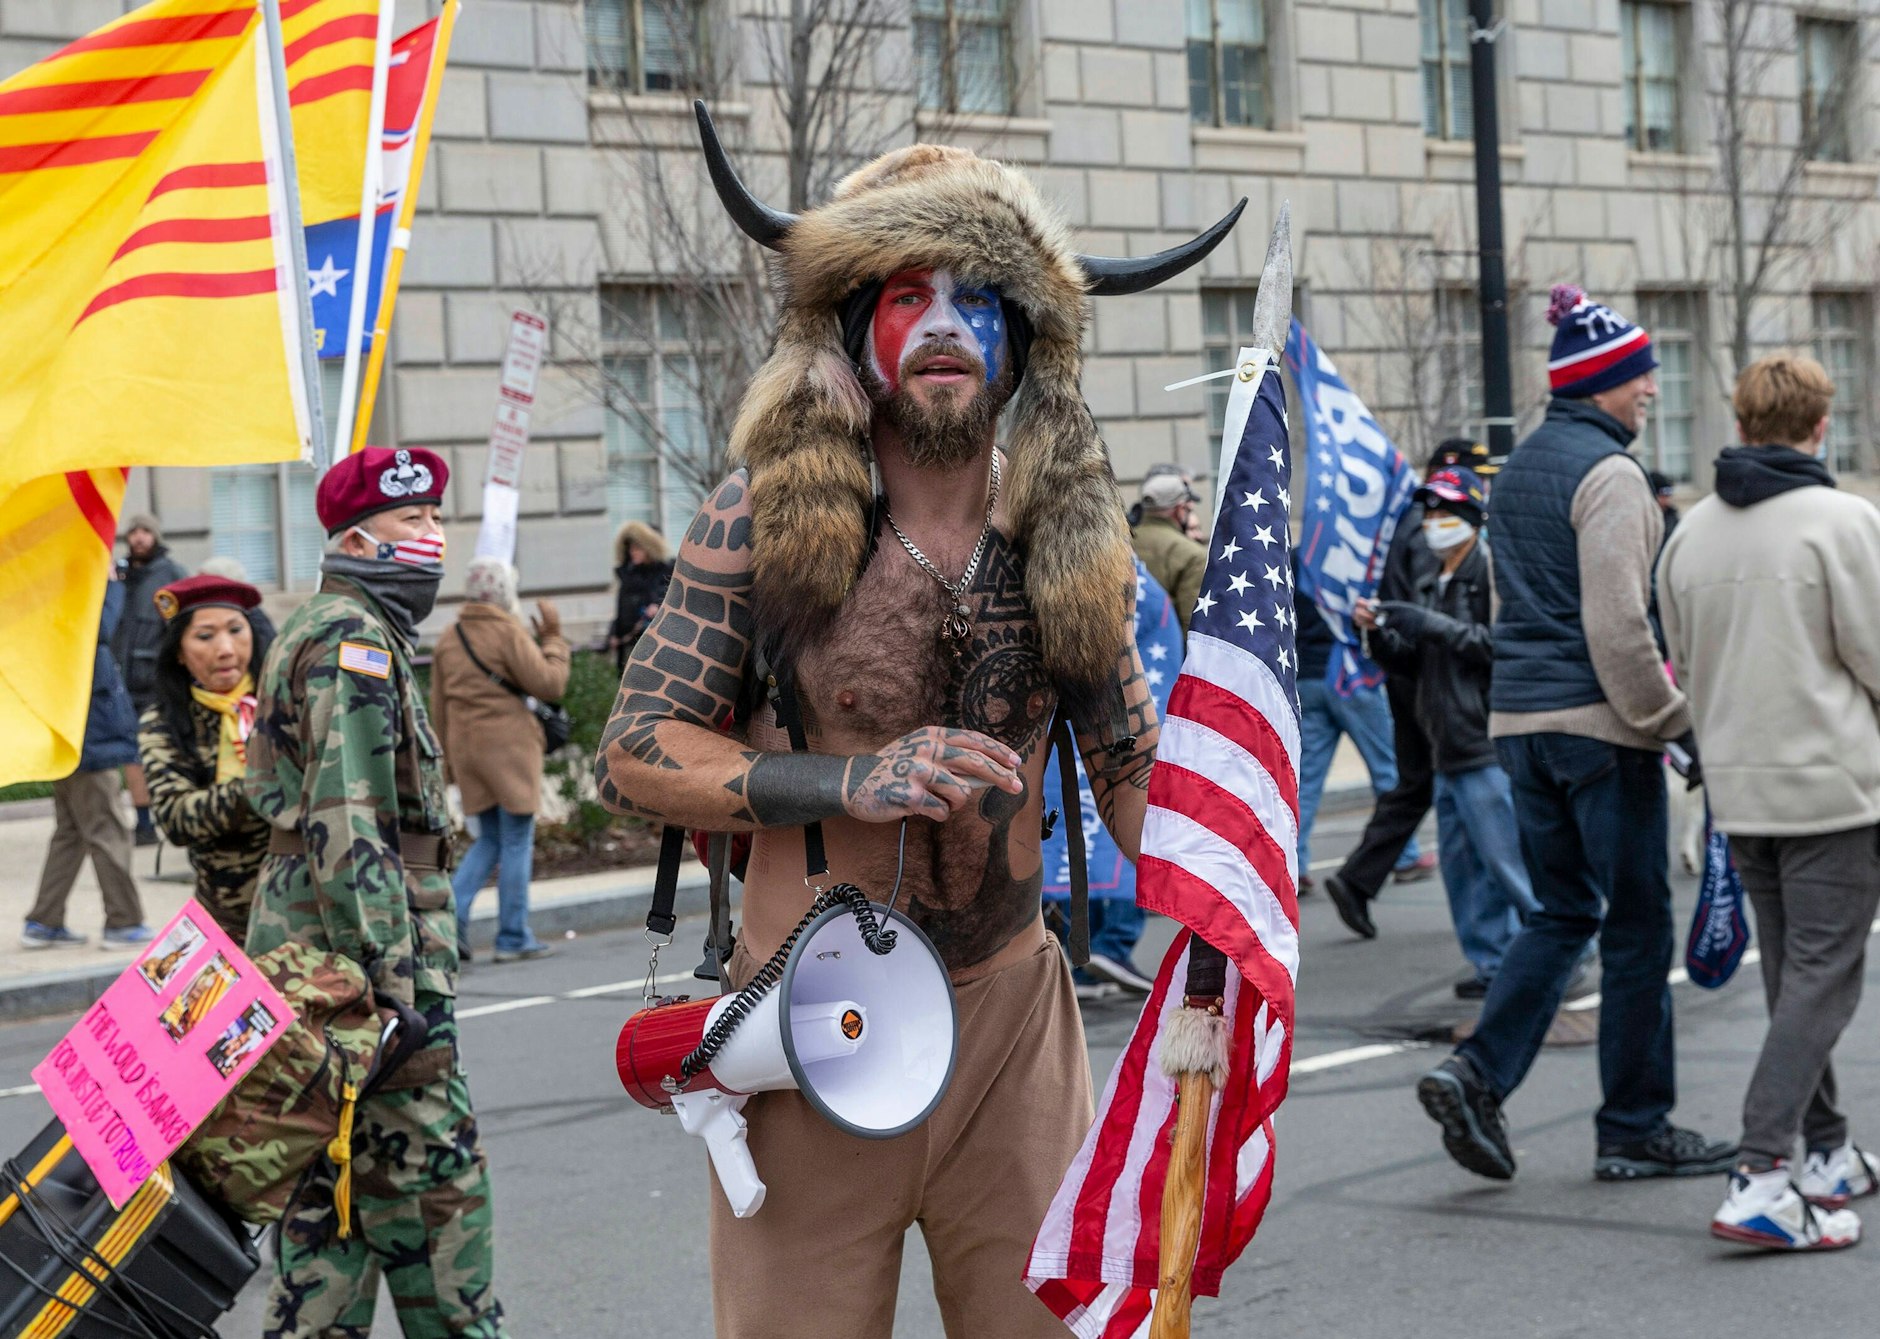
(343, 753)
(226, 839)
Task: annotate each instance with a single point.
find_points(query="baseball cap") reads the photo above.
(1163, 491)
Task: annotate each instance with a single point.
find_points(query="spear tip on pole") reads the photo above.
(1272, 307)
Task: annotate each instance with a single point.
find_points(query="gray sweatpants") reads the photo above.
(1815, 899)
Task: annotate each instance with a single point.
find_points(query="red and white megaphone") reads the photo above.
(868, 1038)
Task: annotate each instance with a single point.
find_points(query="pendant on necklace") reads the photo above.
(955, 629)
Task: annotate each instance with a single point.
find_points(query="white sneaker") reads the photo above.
(1765, 1209)
(1830, 1180)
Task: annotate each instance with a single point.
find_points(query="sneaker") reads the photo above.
(128, 937)
(1087, 987)
(1123, 974)
(1474, 1133)
(1585, 979)
(1833, 1177)
(1353, 907)
(1765, 1209)
(36, 935)
(1473, 988)
(529, 954)
(147, 836)
(1670, 1152)
(1423, 867)
(1306, 884)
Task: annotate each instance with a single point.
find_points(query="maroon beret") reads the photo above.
(377, 479)
(179, 597)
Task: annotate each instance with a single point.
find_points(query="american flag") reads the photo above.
(1219, 855)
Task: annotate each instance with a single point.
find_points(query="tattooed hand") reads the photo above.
(931, 773)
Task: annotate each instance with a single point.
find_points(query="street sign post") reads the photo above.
(509, 434)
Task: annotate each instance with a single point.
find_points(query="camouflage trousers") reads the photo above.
(421, 1218)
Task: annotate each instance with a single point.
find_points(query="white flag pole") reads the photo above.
(302, 297)
(369, 192)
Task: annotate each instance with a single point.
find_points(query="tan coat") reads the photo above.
(492, 742)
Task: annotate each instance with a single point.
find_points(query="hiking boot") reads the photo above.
(1423, 867)
(1830, 1178)
(1765, 1209)
(1474, 1133)
(36, 935)
(1472, 988)
(1670, 1152)
(1122, 974)
(1353, 907)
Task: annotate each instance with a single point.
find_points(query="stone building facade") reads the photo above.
(1143, 120)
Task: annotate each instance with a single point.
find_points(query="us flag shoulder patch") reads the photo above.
(363, 659)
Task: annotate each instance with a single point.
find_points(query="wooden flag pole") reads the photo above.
(401, 234)
(1194, 1053)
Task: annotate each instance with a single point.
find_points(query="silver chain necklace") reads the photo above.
(957, 625)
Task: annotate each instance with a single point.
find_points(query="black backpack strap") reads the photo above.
(790, 716)
(1072, 818)
(660, 919)
(477, 660)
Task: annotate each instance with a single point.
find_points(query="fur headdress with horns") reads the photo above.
(804, 424)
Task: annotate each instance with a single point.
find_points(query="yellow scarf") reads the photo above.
(237, 710)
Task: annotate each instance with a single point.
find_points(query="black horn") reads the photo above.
(760, 222)
(1113, 275)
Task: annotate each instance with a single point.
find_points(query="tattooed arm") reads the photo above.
(1119, 770)
(664, 755)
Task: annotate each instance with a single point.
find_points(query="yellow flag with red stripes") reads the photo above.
(147, 306)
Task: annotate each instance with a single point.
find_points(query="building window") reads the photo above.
(1841, 346)
(1448, 105)
(1226, 326)
(963, 55)
(658, 361)
(1648, 42)
(1826, 51)
(1459, 363)
(246, 504)
(646, 46)
(1227, 79)
(1669, 440)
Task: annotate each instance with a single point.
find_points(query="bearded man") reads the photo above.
(931, 604)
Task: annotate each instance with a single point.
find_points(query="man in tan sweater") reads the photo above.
(1581, 710)
(1767, 592)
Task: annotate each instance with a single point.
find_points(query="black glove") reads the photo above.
(1683, 754)
(1402, 617)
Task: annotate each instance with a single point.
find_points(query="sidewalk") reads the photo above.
(43, 981)
(34, 982)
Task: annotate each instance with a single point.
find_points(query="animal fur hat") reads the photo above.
(803, 427)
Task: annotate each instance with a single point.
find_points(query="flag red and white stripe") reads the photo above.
(1219, 854)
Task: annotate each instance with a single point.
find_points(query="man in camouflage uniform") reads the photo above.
(345, 767)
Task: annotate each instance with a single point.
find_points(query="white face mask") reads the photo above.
(1443, 533)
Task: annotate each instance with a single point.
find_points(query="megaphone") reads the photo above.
(868, 1038)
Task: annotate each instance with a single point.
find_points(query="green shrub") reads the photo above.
(592, 687)
(25, 790)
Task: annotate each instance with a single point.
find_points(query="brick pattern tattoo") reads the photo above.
(1117, 767)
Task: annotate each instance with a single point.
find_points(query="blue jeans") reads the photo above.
(1323, 717)
(1592, 819)
(1489, 893)
(505, 842)
(1115, 926)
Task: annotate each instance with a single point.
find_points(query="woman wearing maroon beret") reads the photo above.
(194, 739)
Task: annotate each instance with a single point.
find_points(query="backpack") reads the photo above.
(290, 1120)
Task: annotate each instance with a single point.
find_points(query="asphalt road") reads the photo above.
(1373, 1232)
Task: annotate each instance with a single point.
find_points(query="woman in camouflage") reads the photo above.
(194, 740)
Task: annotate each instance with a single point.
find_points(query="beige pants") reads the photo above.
(86, 821)
(822, 1258)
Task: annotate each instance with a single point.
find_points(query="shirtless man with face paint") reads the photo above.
(934, 603)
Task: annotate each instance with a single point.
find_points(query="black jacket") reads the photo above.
(134, 646)
(1445, 632)
(1406, 562)
(641, 584)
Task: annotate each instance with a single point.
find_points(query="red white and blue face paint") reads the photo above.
(921, 309)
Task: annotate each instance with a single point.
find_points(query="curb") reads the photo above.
(1345, 799)
(72, 990)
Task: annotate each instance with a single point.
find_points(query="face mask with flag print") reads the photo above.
(420, 552)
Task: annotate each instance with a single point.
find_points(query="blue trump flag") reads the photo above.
(1357, 487)
(1159, 643)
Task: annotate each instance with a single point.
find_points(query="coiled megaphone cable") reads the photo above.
(879, 939)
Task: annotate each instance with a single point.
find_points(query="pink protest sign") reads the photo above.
(166, 1042)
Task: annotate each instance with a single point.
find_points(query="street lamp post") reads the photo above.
(1497, 386)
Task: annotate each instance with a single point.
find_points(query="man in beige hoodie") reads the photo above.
(1767, 596)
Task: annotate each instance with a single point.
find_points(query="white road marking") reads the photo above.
(505, 1006)
(584, 993)
(1357, 1055)
(20, 1091)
